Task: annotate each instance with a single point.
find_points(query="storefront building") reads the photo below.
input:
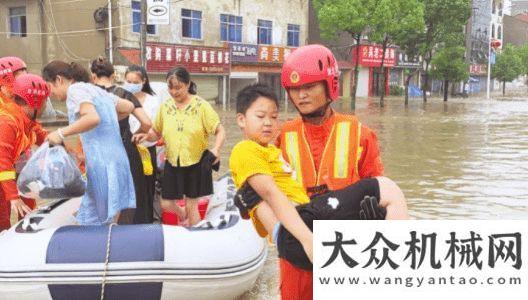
(252, 63)
(370, 80)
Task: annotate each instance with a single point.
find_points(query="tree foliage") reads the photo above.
(508, 66)
(443, 18)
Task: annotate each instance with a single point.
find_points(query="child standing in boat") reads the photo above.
(185, 122)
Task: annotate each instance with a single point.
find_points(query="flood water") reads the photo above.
(464, 159)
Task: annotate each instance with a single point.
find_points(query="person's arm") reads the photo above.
(151, 136)
(123, 108)
(88, 120)
(40, 133)
(220, 134)
(7, 169)
(143, 119)
(212, 125)
(369, 164)
(154, 134)
(284, 211)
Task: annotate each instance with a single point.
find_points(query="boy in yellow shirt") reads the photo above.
(276, 203)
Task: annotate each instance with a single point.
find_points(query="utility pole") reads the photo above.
(110, 36)
(43, 37)
(143, 38)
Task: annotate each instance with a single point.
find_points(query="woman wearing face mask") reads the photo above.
(137, 82)
(185, 122)
(102, 76)
(92, 114)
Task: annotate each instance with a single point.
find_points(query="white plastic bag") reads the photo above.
(51, 173)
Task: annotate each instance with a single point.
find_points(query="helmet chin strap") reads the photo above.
(318, 113)
(34, 115)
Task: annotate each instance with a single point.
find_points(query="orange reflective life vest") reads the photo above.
(24, 138)
(339, 162)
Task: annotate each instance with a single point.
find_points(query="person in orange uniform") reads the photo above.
(10, 68)
(17, 135)
(328, 150)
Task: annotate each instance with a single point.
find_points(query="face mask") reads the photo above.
(133, 87)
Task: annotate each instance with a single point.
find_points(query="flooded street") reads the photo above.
(465, 159)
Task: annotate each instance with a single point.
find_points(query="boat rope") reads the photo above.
(107, 259)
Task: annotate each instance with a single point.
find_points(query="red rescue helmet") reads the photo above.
(8, 66)
(32, 88)
(311, 63)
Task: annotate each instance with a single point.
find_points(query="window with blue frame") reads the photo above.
(293, 35)
(191, 23)
(230, 28)
(265, 29)
(136, 19)
(17, 22)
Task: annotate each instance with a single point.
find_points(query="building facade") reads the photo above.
(486, 23)
(515, 30)
(252, 38)
(201, 36)
(42, 30)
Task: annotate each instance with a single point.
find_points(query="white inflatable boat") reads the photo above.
(45, 256)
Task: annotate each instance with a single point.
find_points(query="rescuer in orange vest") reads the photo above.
(328, 150)
(17, 135)
(10, 67)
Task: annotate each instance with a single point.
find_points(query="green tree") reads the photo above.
(393, 20)
(442, 18)
(449, 65)
(508, 66)
(349, 16)
(523, 55)
(410, 43)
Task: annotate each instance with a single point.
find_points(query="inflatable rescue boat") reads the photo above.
(47, 256)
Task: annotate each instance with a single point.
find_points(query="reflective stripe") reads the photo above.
(342, 150)
(292, 148)
(359, 149)
(7, 175)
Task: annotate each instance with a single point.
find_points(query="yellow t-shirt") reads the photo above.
(186, 130)
(249, 158)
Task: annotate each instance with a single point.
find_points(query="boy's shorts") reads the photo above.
(342, 204)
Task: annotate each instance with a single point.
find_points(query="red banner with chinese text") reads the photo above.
(371, 56)
(196, 59)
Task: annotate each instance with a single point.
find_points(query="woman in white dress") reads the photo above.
(137, 82)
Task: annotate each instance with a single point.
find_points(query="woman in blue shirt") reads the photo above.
(110, 188)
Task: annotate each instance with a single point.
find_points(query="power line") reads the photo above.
(73, 31)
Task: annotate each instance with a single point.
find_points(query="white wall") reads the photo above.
(363, 83)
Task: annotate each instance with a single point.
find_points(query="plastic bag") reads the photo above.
(51, 173)
(22, 161)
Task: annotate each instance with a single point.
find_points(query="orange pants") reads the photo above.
(5, 210)
(295, 283)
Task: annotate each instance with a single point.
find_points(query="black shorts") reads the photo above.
(192, 182)
(342, 204)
